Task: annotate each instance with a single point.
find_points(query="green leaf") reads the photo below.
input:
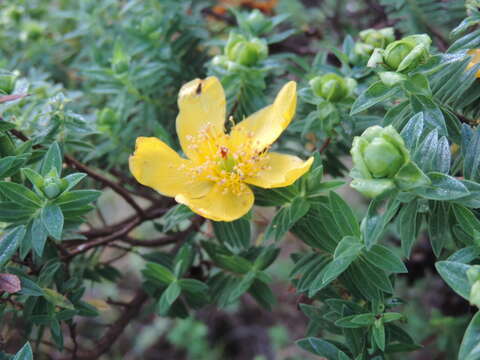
(410, 176)
(52, 218)
(38, 235)
(183, 260)
(391, 316)
(346, 252)
(57, 299)
(407, 226)
(465, 255)
(20, 194)
(262, 294)
(466, 219)
(175, 216)
(439, 227)
(34, 177)
(159, 272)
(242, 286)
(376, 278)
(376, 93)
(236, 234)
(12, 213)
(10, 242)
(192, 285)
(432, 114)
(25, 353)
(172, 292)
(73, 179)
(470, 347)
(77, 198)
(321, 348)
(385, 259)
(412, 132)
(374, 224)
(443, 188)
(52, 159)
(344, 216)
(455, 275)
(286, 217)
(378, 332)
(418, 84)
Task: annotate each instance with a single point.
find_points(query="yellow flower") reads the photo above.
(475, 60)
(213, 180)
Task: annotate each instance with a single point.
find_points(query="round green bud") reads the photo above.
(32, 31)
(220, 60)
(363, 50)
(382, 163)
(396, 52)
(377, 38)
(107, 117)
(245, 52)
(52, 187)
(147, 25)
(331, 87)
(258, 23)
(473, 274)
(406, 54)
(475, 294)
(7, 82)
(382, 158)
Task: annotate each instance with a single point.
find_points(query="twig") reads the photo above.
(325, 145)
(114, 186)
(132, 309)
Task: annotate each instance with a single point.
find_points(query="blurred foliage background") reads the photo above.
(92, 76)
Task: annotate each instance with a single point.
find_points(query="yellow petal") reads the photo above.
(280, 170)
(156, 165)
(220, 205)
(202, 107)
(475, 60)
(266, 125)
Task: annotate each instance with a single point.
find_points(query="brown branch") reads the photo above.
(71, 161)
(325, 145)
(132, 310)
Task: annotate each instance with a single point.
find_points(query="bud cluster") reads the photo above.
(402, 55)
(372, 39)
(242, 51)
(333, 87)
(382, 163)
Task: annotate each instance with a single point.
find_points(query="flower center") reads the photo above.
(226, 162)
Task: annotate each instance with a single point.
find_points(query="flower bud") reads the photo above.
(406, 54)
(32, 31)
(148, 25)
(7, 82)
(475, 294)
(52, 187)
(332, 87)
(382, 158)
(473, 274)
(377, 38)
(245, 52)
(258, 23)
(382, 162)
(220, 60)
(120, 60)
(106, 119)
(363, 50)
